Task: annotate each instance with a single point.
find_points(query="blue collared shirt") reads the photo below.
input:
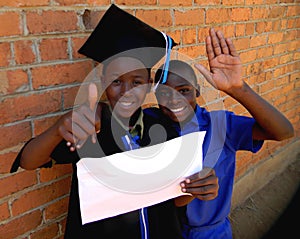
(226, 133)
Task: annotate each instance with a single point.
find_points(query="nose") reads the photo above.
(125, 89)
(175, 97)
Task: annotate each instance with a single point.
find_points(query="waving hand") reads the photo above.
(224, 62)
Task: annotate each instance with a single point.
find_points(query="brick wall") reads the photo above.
(40, 72)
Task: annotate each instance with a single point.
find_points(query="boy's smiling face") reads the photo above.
(177, 98)
(127, 83)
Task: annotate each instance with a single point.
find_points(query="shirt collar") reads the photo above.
(194, 124)
(137, 129)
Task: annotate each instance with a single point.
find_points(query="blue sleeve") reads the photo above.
(239, 133)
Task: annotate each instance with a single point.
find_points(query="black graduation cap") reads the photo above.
(119, 32)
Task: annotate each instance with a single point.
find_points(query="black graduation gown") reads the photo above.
(162, 218)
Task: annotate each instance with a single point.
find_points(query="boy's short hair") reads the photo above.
(176, 67)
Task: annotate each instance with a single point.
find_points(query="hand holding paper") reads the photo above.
(128, 181)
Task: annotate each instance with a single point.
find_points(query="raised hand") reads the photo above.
(224, 62)
(76, 126)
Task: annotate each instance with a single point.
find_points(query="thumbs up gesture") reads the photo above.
(76, 126)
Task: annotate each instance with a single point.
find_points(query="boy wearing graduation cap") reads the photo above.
(120, 42)
(226, 132)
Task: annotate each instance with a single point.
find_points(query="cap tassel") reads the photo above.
(163, 77)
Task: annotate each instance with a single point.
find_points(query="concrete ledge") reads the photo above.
(265, 171)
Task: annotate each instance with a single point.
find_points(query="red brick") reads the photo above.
(192, 17)
(266, 86)
(290, 35)
(40, 196)
(259, 40)
(13, 81)
(4, 211)
(54, 49)
(217, 15)
(270, 63)
(155, 18)
(280, 48)
(135, 2)
(264, 26)
(76, 44)
(21, 225)
(57, 171)
(71, 95)
(47, 232)
(240, 29)
(5, 53)
(203, 32)
(68, 2)
(51, 21)
(277, 12)
(260, 13)
(241, 43)
(264, 52)
(193, 52)
(248, 56)
(6, 160)
(23, 3)
(24, 52)
(293, 11)
(240, 14)
(207, 2)
(275, 38)
(22, 107)
(249, 28)
(98, 2)
(10, 24)
(91, 18)
(14, 134)
(60, 74)
(255, 2)
(40, 125)
(17, 182)
(175, 3)
(57, 209)
(189, 36)
(232, 2)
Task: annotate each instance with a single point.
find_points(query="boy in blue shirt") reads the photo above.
(226, 132)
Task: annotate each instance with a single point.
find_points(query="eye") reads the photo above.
(116, 82)
(184, 91)
(138, 82)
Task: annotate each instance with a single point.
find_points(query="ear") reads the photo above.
(197, 90)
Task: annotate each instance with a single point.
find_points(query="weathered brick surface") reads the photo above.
(40, 73)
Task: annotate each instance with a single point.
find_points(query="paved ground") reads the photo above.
(273, 212)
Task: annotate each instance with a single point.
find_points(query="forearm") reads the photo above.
(183, 200)
(37, 152)
(272, 124)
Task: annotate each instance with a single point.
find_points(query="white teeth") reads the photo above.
(177, 110)
(126, 103)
